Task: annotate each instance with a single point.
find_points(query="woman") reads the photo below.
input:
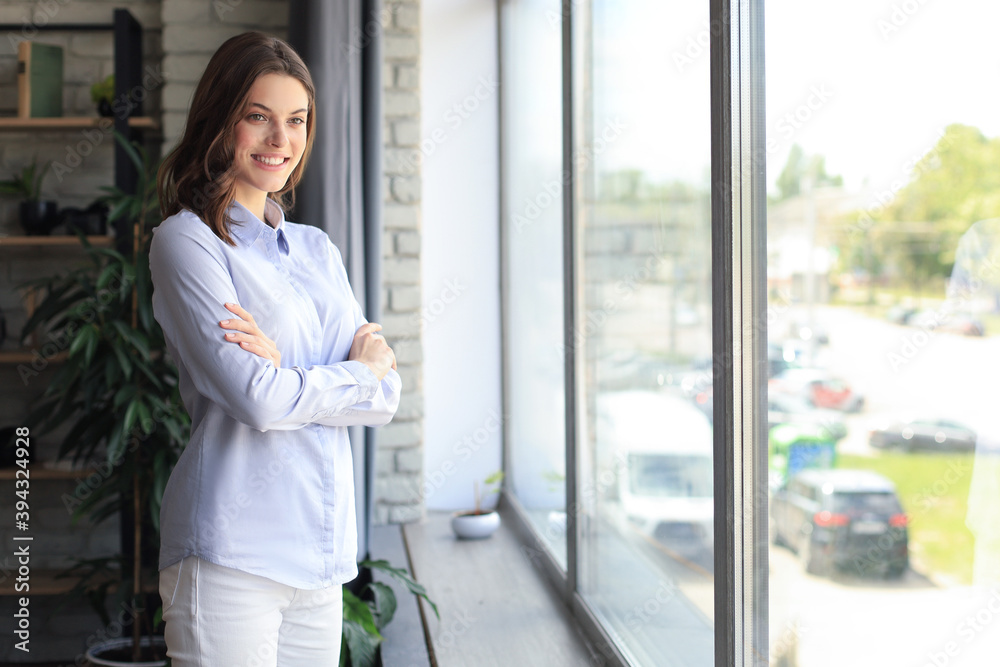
(276, 360)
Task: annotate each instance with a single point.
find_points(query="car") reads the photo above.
(821, 389)
(842, 519)
(923, 433)
(794, 409)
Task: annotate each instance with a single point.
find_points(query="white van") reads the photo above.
(663, 446)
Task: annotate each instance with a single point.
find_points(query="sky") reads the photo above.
(873, 82)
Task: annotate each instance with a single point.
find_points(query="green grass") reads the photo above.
(934, 491)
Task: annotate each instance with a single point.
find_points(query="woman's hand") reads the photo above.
(248, 335)
(370, 348)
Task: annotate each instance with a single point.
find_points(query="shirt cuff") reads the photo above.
(367, 381)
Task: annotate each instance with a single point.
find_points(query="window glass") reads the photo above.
(883, 279)
(643, 328)
(533, 318)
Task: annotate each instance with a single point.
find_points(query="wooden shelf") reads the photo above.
(27, 356)
(73, 123)
(51, 241)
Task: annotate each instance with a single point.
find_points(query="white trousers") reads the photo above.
(222, 617)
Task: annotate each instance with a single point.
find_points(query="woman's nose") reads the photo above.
(278, 137)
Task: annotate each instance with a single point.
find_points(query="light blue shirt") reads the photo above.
(265, 484)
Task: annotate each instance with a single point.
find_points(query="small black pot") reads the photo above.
(92, 220)
(38, 217)
(105, 109)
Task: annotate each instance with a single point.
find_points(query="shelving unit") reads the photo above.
(127, 38)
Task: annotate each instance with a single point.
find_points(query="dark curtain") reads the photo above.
(341, 188)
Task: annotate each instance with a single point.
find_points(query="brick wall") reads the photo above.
(399, 460)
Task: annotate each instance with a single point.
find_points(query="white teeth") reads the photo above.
(270, 161)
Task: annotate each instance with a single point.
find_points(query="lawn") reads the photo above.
(934, 491)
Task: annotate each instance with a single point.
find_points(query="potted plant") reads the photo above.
(38, 216)
(102, 93)
(365, 616)
(117, 392)
(479, 523)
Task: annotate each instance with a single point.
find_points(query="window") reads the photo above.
(620, 208)
(533, 178)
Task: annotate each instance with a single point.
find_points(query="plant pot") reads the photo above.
(38, 217)
(472, 526)
(118, 653)
(105, 109)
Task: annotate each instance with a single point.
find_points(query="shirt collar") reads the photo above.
(247, 227)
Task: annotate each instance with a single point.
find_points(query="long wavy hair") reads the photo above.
(198, 174)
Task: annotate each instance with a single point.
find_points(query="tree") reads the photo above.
(801, 168)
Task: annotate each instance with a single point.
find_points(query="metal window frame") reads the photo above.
(739, 331)
(739, 341)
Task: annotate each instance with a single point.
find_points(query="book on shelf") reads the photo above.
(39, 80)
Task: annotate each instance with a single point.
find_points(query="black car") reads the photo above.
(910, 434)
(845, 519)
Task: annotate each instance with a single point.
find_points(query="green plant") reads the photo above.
(492, 484)
(364, 618)
(117, 391)
(103, 90)
(27, 184)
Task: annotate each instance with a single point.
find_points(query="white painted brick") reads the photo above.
(177, 96)
(404, 298)
(270, 16)
(400, 103)
(398, 434)
(401, 160)
(400, 47)
(405, 189)
(381, 514)
(406, 17)
(401, 271)
(408, 243)
(397, 216)
(411, 375)
(399, 488)
(401, 325)
(385, 462)
(409, 352)
(191, 38)
(91, 44)
(411, 404)
(186, 68)
(410, 460)
(186, 11)
(406, 132)
(407, 77)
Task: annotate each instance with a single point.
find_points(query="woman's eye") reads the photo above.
(256, 116)
(297, 121)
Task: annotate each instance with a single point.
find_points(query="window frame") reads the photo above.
(739, 341)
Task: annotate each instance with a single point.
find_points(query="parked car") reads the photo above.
(842, 519)
(794, 409)
(818, 387)
(900, 314)
(924, 433)
(965, 325)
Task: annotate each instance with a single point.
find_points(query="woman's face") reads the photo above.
(269, 138)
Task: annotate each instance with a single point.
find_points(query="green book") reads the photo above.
(39, 80)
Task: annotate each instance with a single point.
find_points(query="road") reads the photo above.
(915, 621)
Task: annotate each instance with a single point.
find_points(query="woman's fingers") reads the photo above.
(243, 330)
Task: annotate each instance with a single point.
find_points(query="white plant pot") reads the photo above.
(475, 526)
(124, 642)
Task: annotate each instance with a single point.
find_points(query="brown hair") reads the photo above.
(198, 174)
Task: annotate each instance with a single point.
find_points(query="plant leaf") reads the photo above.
(403, 576)
(385, 603)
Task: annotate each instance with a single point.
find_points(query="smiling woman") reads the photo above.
(251, 571)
